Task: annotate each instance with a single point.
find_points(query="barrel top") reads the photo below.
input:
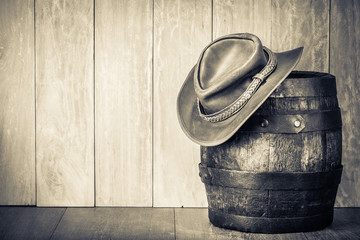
(306, 84)
(309, 74)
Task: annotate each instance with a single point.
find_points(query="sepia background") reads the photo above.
(88, 91)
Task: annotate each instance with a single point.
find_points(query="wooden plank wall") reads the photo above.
(181, 30)
(64, 103)
(123, 112)
(345, 65)
(17, 103)
(298, 23)
(93, 84)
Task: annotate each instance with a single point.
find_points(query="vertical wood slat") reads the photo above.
(123, 116)
(297, 23)
(64, 103)
(252, 16)
(181, 30)
(17, 112)
(345, 65)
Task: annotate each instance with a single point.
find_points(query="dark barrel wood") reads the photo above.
(280, 172)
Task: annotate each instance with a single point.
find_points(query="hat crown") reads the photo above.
(225, 69)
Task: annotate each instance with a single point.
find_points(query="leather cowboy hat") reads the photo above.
(234, 75)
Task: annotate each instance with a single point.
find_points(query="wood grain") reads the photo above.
(304, 152)
(245, 151)
(64, 103)
(17, 113)
(297, 23)
(242, 16)
(123, 83)
(116, 223)
(345, 65)
(29, 222)
(181, 30)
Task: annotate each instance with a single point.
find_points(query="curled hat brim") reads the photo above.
(211, 134)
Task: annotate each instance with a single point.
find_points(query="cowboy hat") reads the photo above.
(234, 75)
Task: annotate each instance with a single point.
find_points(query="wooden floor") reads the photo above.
(146, 223)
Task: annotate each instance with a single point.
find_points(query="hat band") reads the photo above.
(239, 103)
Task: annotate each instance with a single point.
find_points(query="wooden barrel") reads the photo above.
(280, 172)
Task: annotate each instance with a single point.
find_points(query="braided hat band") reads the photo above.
(239, 103)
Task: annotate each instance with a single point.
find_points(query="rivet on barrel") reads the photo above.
(264, 123)
(297, 123)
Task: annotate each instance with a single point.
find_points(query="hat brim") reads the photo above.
(211, 134)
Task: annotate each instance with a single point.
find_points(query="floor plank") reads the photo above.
(28, 222)
(346, 225)
(146, 223)
(193, 223)
(116, 223)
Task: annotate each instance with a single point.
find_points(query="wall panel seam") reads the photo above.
(152, 103)
(94, 103)
(271, 23)
(35, 93)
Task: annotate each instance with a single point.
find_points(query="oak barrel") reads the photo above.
(280, 172)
